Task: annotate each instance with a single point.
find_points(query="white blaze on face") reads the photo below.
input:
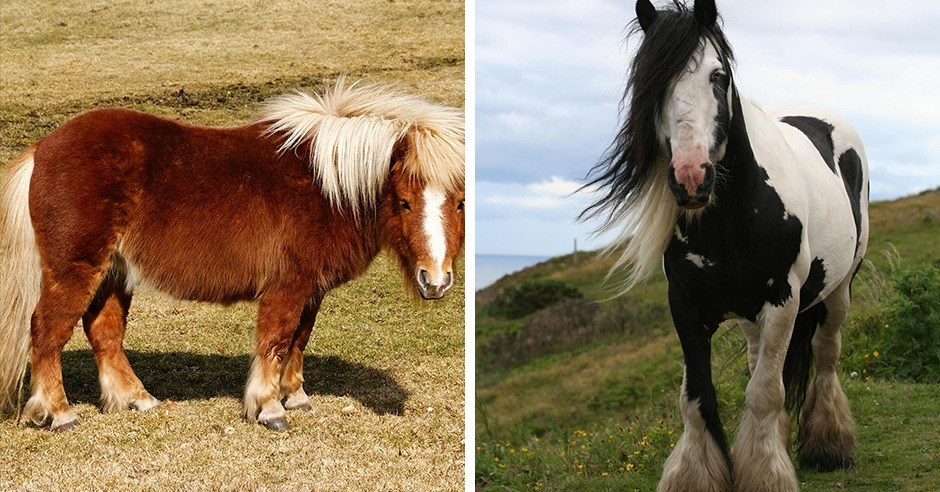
(434, 228)
(689, 117)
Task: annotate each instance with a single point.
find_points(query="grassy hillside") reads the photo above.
(582, 392)
(385, 375)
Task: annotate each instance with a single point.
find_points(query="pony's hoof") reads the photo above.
(279, 424)
(71, 424)
(143, 405)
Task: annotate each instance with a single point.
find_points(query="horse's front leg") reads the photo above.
(278, 315)
(699, 461)
(760, 455)
(292, 373)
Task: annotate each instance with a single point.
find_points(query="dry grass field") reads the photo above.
(386, 375)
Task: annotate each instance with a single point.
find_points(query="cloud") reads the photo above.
(553, 194)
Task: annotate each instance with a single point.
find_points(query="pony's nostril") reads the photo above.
(423, 278)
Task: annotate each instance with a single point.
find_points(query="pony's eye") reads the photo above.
(460, 205)
(404, 205)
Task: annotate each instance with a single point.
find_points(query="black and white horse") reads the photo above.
(758, 215)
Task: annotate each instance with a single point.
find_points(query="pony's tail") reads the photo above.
(20, 276)
(799, 361)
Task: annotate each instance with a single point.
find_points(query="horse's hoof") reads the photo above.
(826, 461)
(71, 424)
(277, 424)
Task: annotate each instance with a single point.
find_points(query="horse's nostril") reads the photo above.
(423, 277)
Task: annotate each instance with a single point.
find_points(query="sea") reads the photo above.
(490, 268)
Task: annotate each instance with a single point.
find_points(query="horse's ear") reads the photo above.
(706, 13)
(646, 14)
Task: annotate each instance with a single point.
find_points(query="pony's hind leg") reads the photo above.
(60, 305)
(278, 315)
(827, 433)
(292, 373)
(104, 323)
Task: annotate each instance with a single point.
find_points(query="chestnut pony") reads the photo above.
(279, 211)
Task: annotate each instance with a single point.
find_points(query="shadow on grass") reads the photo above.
(187, 376)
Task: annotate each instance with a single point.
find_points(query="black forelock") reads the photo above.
(663, 53)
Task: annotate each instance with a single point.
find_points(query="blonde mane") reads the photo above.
(645, 221)
(353, 131)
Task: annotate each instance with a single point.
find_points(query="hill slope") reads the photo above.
(584, 391)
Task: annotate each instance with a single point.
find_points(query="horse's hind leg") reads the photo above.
(827, 432)
(752, 335)
(105, 322)
(292, 373)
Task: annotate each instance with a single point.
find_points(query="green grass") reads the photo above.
(602, 414)
(385, 375)
(896, 430)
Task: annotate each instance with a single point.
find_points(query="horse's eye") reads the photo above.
(716, 76)
(404, 205)
(460, 205)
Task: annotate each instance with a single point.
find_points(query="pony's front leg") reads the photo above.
(699, 461)
(278, 315)
(760, 453)
(292, 374)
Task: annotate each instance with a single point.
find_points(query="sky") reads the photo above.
(550, 76)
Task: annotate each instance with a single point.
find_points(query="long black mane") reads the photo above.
(631, 159)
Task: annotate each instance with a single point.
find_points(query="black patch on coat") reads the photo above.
(814, 284)
(722, 119)
(850, 164)
(797, 365)
(817, 131)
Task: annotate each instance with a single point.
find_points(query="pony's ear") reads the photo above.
(706, 13)
(646, 14)
(400, 151)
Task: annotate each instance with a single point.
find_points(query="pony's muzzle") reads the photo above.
(692, 185)
(434, 289)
